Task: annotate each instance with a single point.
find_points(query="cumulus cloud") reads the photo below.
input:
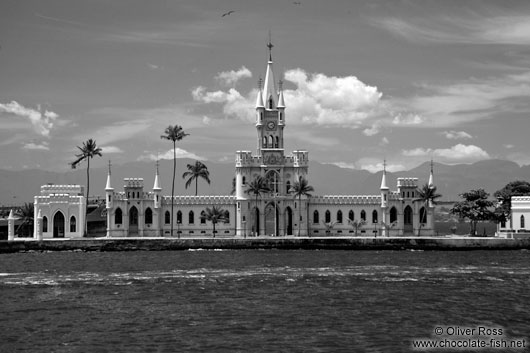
(373, 165)
(206, 120)
(457, 153)
(456, 135)
(42, 121)
(230, 78)
(169, 155)
(111, 149)
(317, 99)
(384, 141)
(374, 130)
(35, 146)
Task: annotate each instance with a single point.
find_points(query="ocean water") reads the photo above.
(256, 301)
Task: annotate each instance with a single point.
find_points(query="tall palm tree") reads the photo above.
(214, 215)
(27, 215)
(196, 171)
(174, 134)
(88, 151)
(301, 188)
(426, 194)
(257, 187)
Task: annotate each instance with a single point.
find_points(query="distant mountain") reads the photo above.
(17, 187)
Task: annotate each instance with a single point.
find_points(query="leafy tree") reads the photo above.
(215, 215)
(196, 171)
(257, 187)
(474, 207)
(173, 134)
(427, 195)
(504, 207)
(356, 224)
(388, 226)
(88, 151)
(301, 188)
(27, 215)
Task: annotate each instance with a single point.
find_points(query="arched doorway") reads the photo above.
(271, 219)
(58, 225)
(408, 220)
(133, 221)
(289, 221)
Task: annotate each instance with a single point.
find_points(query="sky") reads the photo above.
(364, 81)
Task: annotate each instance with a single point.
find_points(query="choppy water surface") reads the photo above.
(255, 301)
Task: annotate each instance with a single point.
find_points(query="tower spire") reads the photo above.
(156, 185)
(269, 45)
(431, 176)
(270, 96)
(109, 187)
(383, 179)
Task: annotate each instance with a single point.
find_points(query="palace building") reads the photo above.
(137, 212)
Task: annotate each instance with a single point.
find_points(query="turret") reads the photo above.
(109, 191)
(11, 226)
(38, 225)
(431, 183)
(157, 189)
(384, 188)
(281, 105)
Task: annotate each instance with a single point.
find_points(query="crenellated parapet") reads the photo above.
(300, 158)
(246, 159)
(133, 182)
(59, 198)
(200, 200)
(347, 199)
(407, 182)
(62, 189)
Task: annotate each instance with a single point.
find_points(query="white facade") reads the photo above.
(520, 217)
(63, 210)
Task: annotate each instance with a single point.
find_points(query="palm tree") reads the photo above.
(301, 188)
(428, 194)
(196, 171)
(356, 224)
(88, 151)
(27, 215)
(174, 134)
(257, 187)
(214, 215)
(329, 226)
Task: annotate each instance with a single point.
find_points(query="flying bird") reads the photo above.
(228, 13)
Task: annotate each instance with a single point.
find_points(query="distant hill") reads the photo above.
(17, 187)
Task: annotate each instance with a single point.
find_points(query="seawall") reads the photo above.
(358, 243)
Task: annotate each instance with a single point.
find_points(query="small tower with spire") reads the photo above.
(11, 226)
(431, 183)
(109, 191)
(384, 201)
(157, 190)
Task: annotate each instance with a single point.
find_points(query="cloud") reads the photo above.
(153, 66)
(316, 100)
(384, 141)
(375, 165)
(169, 155)
(206, 120)
(230, 78)
(508, 146)
(42, 121)
(407, 119)
(33, 146)
(345, 165)
(456, 135)
(374, 130)
(457, 153)
(111, 149)
(475, 29)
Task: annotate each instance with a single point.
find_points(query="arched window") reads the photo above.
(271, 141)
(227, 217)
(272, 180)
(72, 225)
(244, 180)
(277, 143)
(407, 215)
(281, 116)
(287, 186)
(363, 215)
(179, 217)
(503, 224)
(393, 215)
(265, 141)
(118, 216)
(261, 116)
(423, 215)
(315, 217)
(44, 224)
(191, 218)
(339, 216)
(270, 102)
(148, 216)
(328, 216)
(203, 217)
(351, 215)
(167, 217)
(522, 222)
(374, 216)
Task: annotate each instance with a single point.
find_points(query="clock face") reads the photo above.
(271, 125)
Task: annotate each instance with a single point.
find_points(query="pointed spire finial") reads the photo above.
(431, 176)
(109, 167)
(270, 46)
(280, 85)
(384, 165)
(383, 178)
(260, 83)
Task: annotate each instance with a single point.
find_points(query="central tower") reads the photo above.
(272, 213)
